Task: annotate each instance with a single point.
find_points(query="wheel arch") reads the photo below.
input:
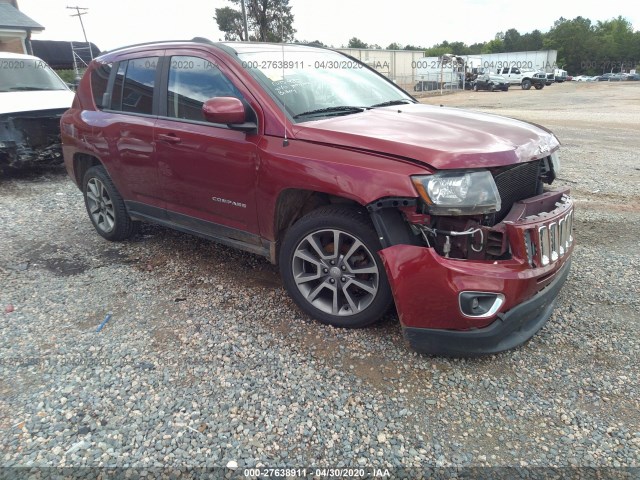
(294, 203)
(81, 163)
(385, 215)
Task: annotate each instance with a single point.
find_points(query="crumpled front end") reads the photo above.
(488, 289)
(30, 139)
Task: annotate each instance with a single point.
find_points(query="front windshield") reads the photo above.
(28, 74)
(312, 84)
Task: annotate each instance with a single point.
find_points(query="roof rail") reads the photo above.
(193, 40)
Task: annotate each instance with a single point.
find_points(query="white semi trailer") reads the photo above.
(544, 60)
(455, 71)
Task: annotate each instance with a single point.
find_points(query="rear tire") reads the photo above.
(330, 266)
(105, 206)
(526, 84)
(538, 87)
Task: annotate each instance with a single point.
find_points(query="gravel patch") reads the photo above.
(206, 362)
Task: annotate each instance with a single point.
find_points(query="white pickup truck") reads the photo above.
(525, 78)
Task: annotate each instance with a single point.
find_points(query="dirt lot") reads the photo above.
(206, 361)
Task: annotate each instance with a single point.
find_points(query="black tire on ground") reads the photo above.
(538, 87)
(526, 84)
(344, 286)
(105, 206)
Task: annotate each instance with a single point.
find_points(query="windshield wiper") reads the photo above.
(339, 110)
(27, 88)
(390, 103)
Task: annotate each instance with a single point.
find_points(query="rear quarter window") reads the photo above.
(99, 82)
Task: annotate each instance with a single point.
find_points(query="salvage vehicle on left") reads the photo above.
(32, 100)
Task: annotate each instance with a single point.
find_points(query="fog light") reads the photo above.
(480, 304)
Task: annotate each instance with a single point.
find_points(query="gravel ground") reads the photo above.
(206, 362)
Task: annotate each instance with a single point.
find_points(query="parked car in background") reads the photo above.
(612, 77)
(581, 78)
(363, 196)
(32, 101)
(633, 77)
(490, 82)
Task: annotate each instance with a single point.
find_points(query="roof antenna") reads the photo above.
(285, 142)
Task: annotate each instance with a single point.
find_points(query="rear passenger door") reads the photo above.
(207, 171)
(127, 130)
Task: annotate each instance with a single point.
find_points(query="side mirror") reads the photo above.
(227, 110)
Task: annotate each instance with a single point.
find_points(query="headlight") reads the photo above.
(459, 193)
(555, 162)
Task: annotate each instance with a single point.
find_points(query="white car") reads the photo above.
(32, 100)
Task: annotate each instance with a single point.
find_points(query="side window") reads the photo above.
(516, 71)
(192, 81)
(505, 71)
(99, 81)
(139, 81)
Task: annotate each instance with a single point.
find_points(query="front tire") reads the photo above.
(105, 206)
(330, 267)
(526, 84)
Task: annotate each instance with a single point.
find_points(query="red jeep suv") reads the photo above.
(362, 195)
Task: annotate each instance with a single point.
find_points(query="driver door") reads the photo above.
(207, 171)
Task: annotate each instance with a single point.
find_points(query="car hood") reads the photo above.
(31, 101)
(443, 138)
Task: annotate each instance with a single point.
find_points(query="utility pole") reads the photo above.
(244, 21)
(79, 15)
(76, 49)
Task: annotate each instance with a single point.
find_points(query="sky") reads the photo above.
(115, 23)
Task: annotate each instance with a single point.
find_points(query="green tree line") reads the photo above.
(583, 47)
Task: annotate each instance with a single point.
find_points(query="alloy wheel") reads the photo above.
(100, 205)
(335, 272)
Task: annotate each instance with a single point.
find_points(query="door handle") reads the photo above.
(169, 138)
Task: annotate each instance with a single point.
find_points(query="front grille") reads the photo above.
(553, 240)
(516, 183)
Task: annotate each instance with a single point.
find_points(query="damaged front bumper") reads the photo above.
(30, 138)
(440, 300)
